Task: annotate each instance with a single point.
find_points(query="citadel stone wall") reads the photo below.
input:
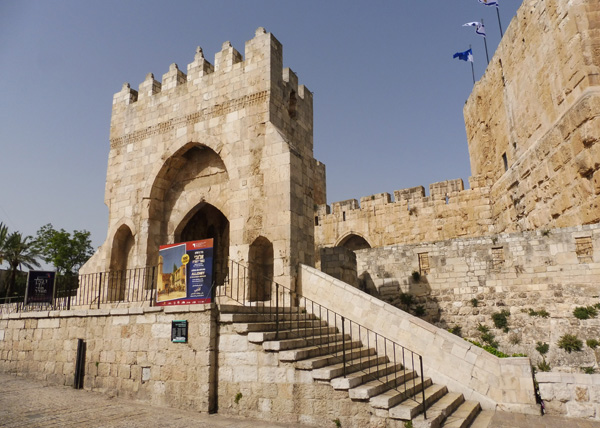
(129, 352)
(464, 281)
(533, 119)
(449, 211)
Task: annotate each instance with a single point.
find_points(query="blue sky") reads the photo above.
(388, 96)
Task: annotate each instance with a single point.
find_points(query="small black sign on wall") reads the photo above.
(179, 331)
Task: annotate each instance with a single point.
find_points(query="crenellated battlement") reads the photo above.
(233, 85)
(264, 52)
(411, 215)
(442, 190)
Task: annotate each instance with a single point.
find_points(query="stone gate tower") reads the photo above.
(224, 152)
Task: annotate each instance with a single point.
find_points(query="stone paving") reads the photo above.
(29, 403)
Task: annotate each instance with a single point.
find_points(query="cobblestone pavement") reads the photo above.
(29, 403)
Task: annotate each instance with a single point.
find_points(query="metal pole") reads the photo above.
(499, 23)
(423, 389)
(485, 44)
(99, 290)
(276, 311)
(472, 68)
(344, 346)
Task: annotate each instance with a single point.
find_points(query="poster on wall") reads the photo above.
(185, 272)
(40, 286)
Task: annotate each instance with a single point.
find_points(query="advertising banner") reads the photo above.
(185, 272)
(40, 286)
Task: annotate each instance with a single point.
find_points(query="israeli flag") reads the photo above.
(489, 2)
(480, 29)
(464, 56)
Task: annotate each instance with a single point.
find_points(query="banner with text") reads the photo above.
(185, 272)
(40, 286)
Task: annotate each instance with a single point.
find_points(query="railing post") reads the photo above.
(423, 388)
(344, 346)
(153, 285)
(276, 311)
(99, 290)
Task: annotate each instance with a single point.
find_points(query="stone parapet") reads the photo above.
(575, 395)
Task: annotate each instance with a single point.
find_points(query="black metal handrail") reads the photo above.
(292, 313)
(93, 291)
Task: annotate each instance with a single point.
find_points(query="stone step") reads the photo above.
(285, 344)
(337, 369)
(439, 411)
(483, 419)
(312, 351)
(260, 337)
(243, 328)
(409, 408)
(463, 416)
(381, 385)
(392, 397)
(251, 318)
(326, 360)
(358, 378)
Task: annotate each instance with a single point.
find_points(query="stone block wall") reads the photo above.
(533, 119)
(449, 212)
(129, 352)
(468, 280)
(340, 263)
(573, 395)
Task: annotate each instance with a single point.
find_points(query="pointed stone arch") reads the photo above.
(121, 259)
(205, 221)
(261, 262)
(191, 176)
(353, 241)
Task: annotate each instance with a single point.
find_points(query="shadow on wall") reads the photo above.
(411, 294)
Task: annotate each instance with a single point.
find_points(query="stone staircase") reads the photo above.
(393, 391)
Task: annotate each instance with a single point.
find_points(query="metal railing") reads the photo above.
(94, 290)
(299, 318)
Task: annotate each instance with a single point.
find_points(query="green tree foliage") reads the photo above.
(3, 236)
(18, 251)
(65, 251)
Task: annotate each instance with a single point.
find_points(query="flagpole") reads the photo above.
(472, 68)
(485, 43)
(499, 23)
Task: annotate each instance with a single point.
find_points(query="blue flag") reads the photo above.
(465, 56)
(489, 2)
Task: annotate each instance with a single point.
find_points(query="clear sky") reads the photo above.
(388, 96)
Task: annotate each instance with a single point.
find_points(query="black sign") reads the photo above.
(179, 331)
(40, 287)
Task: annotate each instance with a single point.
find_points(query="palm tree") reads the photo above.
(18, 251)
(3, 235)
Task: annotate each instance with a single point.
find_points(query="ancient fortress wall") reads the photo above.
(449, 211)
(555, 270)
(129, 352)
(533, 120)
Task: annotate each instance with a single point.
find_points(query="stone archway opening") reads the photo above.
(260, 260)
(206, 222)
(354, 243)
(120, 262)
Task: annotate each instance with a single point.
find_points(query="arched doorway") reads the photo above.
(120, 261)
(261, 269)
(354, 242)
(206, 222)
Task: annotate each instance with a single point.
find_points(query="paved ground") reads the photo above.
(27, 403)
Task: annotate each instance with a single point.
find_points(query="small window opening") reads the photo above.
(505, 161)
(316, 220)
(343, 215)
